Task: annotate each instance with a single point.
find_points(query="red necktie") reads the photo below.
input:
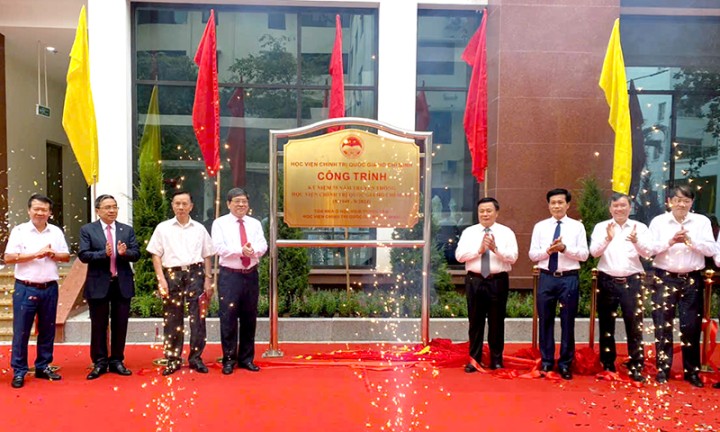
(243, 240)
(113, 264)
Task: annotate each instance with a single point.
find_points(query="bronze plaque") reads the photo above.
(351, 178)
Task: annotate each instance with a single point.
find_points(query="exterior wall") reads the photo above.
(27, 135)
(547, 114)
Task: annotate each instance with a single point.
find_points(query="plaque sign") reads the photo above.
(351, 178)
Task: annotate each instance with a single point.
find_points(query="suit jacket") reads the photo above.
(92, 252)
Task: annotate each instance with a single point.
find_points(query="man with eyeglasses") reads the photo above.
(35, 247)
(240, 242)
(108, 247)
(182, 254)
(680, 240)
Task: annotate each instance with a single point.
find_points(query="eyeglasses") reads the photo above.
(109, 208)
(239, 201)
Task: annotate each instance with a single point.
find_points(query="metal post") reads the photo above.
(273, 350)
(593, 307)
(536, 277)
(427, 248)
(706, 321)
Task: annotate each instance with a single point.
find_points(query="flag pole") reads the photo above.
(485, 186)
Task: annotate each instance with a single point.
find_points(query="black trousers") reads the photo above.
(684, 293)
(552, 290)
(487, 299)
(184, 287)
(238, 294)
(114, 310)
(627, 294)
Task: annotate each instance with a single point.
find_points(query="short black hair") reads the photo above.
(616, 196)
(236, 192)
(683, 190)
(102, 198)
(489, 200)
(180, 192)
(558, 191)
(40, 197)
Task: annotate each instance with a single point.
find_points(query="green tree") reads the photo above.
(593, 209)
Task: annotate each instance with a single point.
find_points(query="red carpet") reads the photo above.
(312, 388)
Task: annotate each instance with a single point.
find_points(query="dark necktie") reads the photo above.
(243, 240)
(553, 263)
(485, 260)
(113, 263)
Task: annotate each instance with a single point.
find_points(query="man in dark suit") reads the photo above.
(108, 247)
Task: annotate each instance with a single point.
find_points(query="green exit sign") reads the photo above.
(42, 110)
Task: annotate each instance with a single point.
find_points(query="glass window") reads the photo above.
(673, 63)
(442, 82)
(273, 73)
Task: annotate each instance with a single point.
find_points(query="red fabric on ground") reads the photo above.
(308, 396)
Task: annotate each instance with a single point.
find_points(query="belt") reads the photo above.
(490, 276)
(617, 280)
(38, 285)
(185, 268)
(560, 273)
(241, 271)
(679, 275)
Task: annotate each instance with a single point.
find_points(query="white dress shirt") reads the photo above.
(25, 239)
(226, 238)
(180, 245)
(573, 237)
(680, 257)
(717, 251)
(620, 257)
(500, 261)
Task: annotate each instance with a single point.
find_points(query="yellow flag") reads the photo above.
(79, 110)
(150, 142)
(614, 83)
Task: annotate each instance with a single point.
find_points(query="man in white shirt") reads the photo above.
(620, 242)
(182, 254)
(681, 241)
(558, 245)
(35, 247)
(240, 242)
(488, 250)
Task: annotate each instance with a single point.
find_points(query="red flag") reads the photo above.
(206, 109)
(422, 112)
(236, 138)
(476, 115)
(337, 86)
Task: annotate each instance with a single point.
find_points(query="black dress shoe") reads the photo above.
(470, 368)
(546, 368)
(494, 366)
(96, 372)
(661, 377)
(609, 368)
(17, 381)
(170, 369)
(119, 369)
(199, 366)
(227, 368)
(716, 385)
(566, 374)
(636, 376)
(47, 374)
(252, 367)
(694, 380)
